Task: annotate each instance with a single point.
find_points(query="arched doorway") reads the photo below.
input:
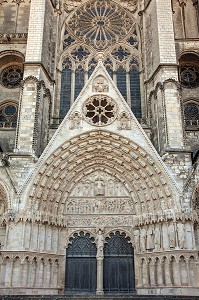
(118, 264)
(81, 267)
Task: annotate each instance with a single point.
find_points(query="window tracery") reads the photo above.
(189, 71)
(191, 114)
(87, 33)
(11, 77)
(99, 23)
(80, 53)
(100, 110)
(8, 115)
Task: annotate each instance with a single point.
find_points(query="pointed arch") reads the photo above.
(107, 152)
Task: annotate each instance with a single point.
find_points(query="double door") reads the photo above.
(81, 265)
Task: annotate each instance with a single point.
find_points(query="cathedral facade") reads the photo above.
(99, 128)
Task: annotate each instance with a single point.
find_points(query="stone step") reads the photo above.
(95, 297)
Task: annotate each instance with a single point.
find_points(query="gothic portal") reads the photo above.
(99, 128)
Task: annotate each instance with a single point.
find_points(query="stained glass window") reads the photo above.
(109, 66)
(135, 92)
(106, 28)
(101, 23)
(65, 96)
(8, 115)
(189, 70)
(79, 80)
(11, 77)
(191, 114)
(121, 82)
(92, 64)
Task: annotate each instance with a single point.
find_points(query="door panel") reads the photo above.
(118, 264)
(81, 265)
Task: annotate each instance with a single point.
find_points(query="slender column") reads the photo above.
(72, 86)
(128, 89)
(52, 269)
(20, 274)
(29, 277)
(100, 290)
(115, 77)
(44, 274)
(188, 273)
(85, 76)
(11, 272)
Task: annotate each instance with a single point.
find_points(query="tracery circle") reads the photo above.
(189, 76)
(100, 110)
(191, 110)
(12, 76)
(101, 23)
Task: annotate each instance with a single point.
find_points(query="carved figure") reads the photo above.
(181, 235)
(100, 244)
(157, 238)
(75, 120)
(137, 208)
(143, 240)
(99, 186)
(171, 234)
(149, 241)
(70, 5)
(124, 122)
(137, 240)
(100, 85)
(86, 189)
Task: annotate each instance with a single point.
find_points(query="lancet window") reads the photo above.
(100, 28)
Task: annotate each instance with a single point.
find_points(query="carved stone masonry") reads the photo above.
(100, 85)
(124, 121)
(18, 2)
(3, 1)
(76, 120)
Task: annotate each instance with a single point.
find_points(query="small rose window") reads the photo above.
(100, 110)
(11, 77)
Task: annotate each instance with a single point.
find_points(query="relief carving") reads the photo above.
(124, 121)
(100, 85)
(100, 244)
(76, 120)
(157, 238)
(181, 235)
(99, 193)
(98, 206)
(171, 234)
(150, 239)
(99, 184)
(107, 221)
(143, 240)
(137, 240)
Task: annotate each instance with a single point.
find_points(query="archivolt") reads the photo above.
(145, 179)
(3, 200)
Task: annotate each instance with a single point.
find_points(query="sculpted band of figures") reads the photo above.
(95, 206)
(99, 184)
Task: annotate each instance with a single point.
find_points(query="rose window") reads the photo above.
(101, 23)
(12, 76)
(100, 110)
(189, 76)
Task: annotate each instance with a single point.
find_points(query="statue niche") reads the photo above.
(99, 193)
